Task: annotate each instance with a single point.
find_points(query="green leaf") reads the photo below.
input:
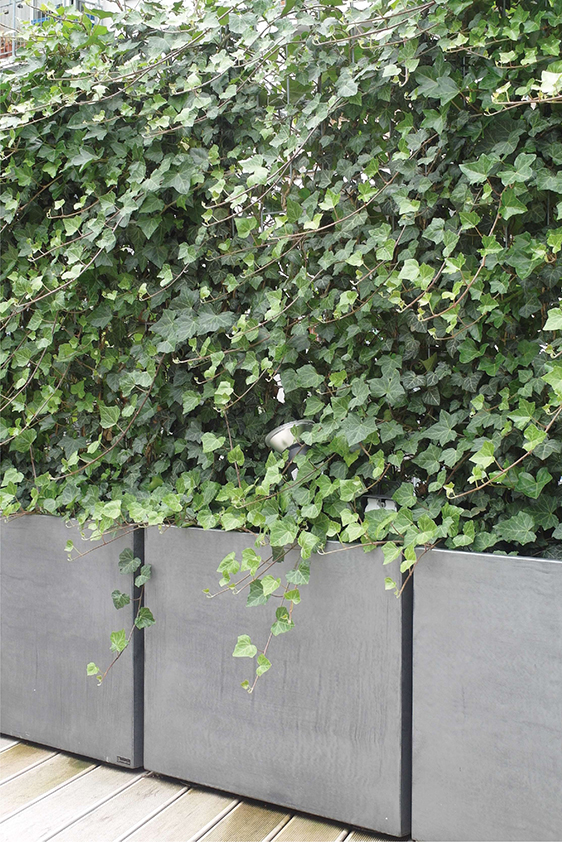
(391, 552)
(256, 595)
(518, 528)
(533, 436)
(120, 599)
(283, 622)
(128, 563)
(212, 442)
(23, 441)
(244, 647)
(554, 320)
(92, 669)
(485, 456)
(270, 585)
(250, 560)
(245, 226)
(510, 204)
(299, 576)
(283, 532)
(144, 618)
(263, 665)
(389, 584)
(144, 575)
(405, 496)
(236, 456)
(190, 401)
(109, 416)
(478, 171)
(118, 641)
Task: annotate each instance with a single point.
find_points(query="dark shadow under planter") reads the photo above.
(56, 617)
(327, 730)
(487, 755)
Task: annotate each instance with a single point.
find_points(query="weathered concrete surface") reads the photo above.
(56, 617)
(487, 757)
(327, 729)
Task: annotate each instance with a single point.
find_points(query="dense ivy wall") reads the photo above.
(221, 220)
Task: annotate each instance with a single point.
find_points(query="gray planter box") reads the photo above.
(327, 730)
(56, 616)
(487, 755)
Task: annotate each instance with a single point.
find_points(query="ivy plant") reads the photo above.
(219, 219)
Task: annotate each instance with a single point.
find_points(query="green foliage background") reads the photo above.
(219, 220)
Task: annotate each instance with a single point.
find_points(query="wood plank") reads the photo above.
(301, 829)
(66, 805)
(366, 836)
(116, 816)
(37, 781)
(7, 742)
(16, 759)
(246, 823)
(187, 816)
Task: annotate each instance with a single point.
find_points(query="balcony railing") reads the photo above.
(15, 14)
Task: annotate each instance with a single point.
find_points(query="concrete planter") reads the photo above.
(56, 617)
(487, 754)
(327, 730)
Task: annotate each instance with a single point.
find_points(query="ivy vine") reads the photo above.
(217, 220)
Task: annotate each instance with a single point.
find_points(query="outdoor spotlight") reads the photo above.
(380, 502)
(286, 437)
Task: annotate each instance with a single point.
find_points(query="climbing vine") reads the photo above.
(217, 220)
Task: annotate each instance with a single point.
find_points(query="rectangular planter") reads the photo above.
(327, 729)
(487, 753)
(56, 617)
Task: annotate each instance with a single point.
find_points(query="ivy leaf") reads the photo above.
(23, 441)
(554, 320)
(212, 442)
(144, 575)
(263, 665)
(256, 595)
(391, 552)
(92, 669)
(283, 532)
(299, 576)
(283, 622)
(128, 563)
(485, 456)
(245, 226)
(118, 641)
(109, 416)
(478, 171)
(356, 429)
(510, 204)
(533, 436)
(244, 647)
(144, 618)
(120, 599)
(518, 528)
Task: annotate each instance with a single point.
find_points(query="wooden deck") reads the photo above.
(46, 794)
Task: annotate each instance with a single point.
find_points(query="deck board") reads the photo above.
(302, 829)
(247, 823)
(66, 805)
(7, 742)
(41, 779)
(20, 757)
(186, 818)
(116, 817)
